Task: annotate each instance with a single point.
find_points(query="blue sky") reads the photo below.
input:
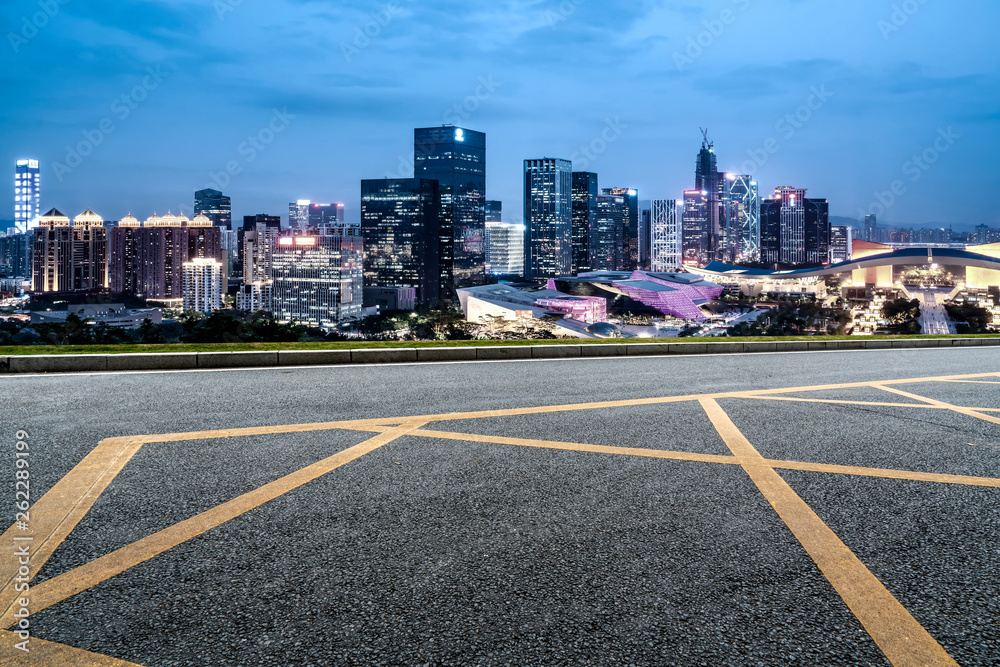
(331, 92)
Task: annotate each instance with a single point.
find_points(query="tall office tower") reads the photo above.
(255, 240)
(585, 193)
(841, 242)
(607, 236)
(317, 278)
(504, 249)
(456, 158)
(230, 253)
(214, 205)
(548, 218)
(15, 251)
(203, 285)
(400, 222)
(871, 224)
(794, 230)
(742, 220)
(298, 214)
(666, 250)
(27, 194)
(69, 258)
(329, 215)
(708, 179)
(629, 256)
(645, 238)
(494, 211)
(694, 230)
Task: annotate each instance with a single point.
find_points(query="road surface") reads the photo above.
(771, 509)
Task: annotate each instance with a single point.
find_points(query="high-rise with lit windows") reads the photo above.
(629, 252)
(318, 278)
(215, 206)
(666, 252)
(585, 193)
(27, 194)
(548, 218)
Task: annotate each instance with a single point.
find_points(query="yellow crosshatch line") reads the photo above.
(903, 640)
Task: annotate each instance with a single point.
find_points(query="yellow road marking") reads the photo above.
(823, 400)
(972, 381)
(971, 412)
(884, 473)
(42, 653)
(903, 640)
(55, 514)
(68, 584)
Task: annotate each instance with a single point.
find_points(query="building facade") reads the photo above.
(794, 229)
(694, 229)
(318, 278)
(629, 253)
(215, 206)
(548, 218)
(27, 194)
(666, 249)
(608, 245)
(401, 224)
(68, 258)
(456, 158)
(585, 193)
(203, 285)
(841, 241)
(741, 203)
(504, 249)
(494, 211)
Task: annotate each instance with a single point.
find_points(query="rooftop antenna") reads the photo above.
(706, 143)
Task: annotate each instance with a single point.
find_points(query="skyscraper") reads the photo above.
(712, 183)
(298, 214)
(27, 194)
(585, 192)
(317, 278)
(666, 251)
(494, 211)
(645, 238)
(69, 257)
(456, 158)
(871, 224)
(607, 236)
(504, 249)
(794, 230)
(742, 214)
(215, 206)
(694, 228)
(629, 255)
(841, 237)
(548, 218)
(400, 221)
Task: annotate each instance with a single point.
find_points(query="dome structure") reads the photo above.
(88, 219)
(153, 221)
(604, 330)
(54, 218)
(129, 221)
(200, 220)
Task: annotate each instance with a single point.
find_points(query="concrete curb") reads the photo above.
(76, 363)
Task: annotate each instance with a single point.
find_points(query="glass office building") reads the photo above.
(215, 206)
(585, 193)
(27, 194)
(456, 158)
(317, 278)
(548, 218)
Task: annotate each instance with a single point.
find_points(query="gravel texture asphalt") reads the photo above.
(443, 552)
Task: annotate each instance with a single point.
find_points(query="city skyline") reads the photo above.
(847, 121)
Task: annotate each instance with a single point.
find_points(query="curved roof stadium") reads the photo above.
(903, 257)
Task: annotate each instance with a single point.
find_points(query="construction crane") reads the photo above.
(706, 143)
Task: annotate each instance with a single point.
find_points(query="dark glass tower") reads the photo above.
(216, 206)
(607, 247)
(708, 179)
(585, 194)
(400, 222)
(548, 218)
(494, 211)
(629, 253)
(456, 158)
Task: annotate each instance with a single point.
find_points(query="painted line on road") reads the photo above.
(57, 513)
(971, 412)
(42, 653)
(79, 579)
(897, 633)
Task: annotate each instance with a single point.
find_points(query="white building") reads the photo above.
(203, 281)
(318, 279)
(252, 297)
(27, 194)
(666, 250)
(504, 249)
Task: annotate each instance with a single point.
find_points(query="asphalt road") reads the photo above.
(642, 532)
